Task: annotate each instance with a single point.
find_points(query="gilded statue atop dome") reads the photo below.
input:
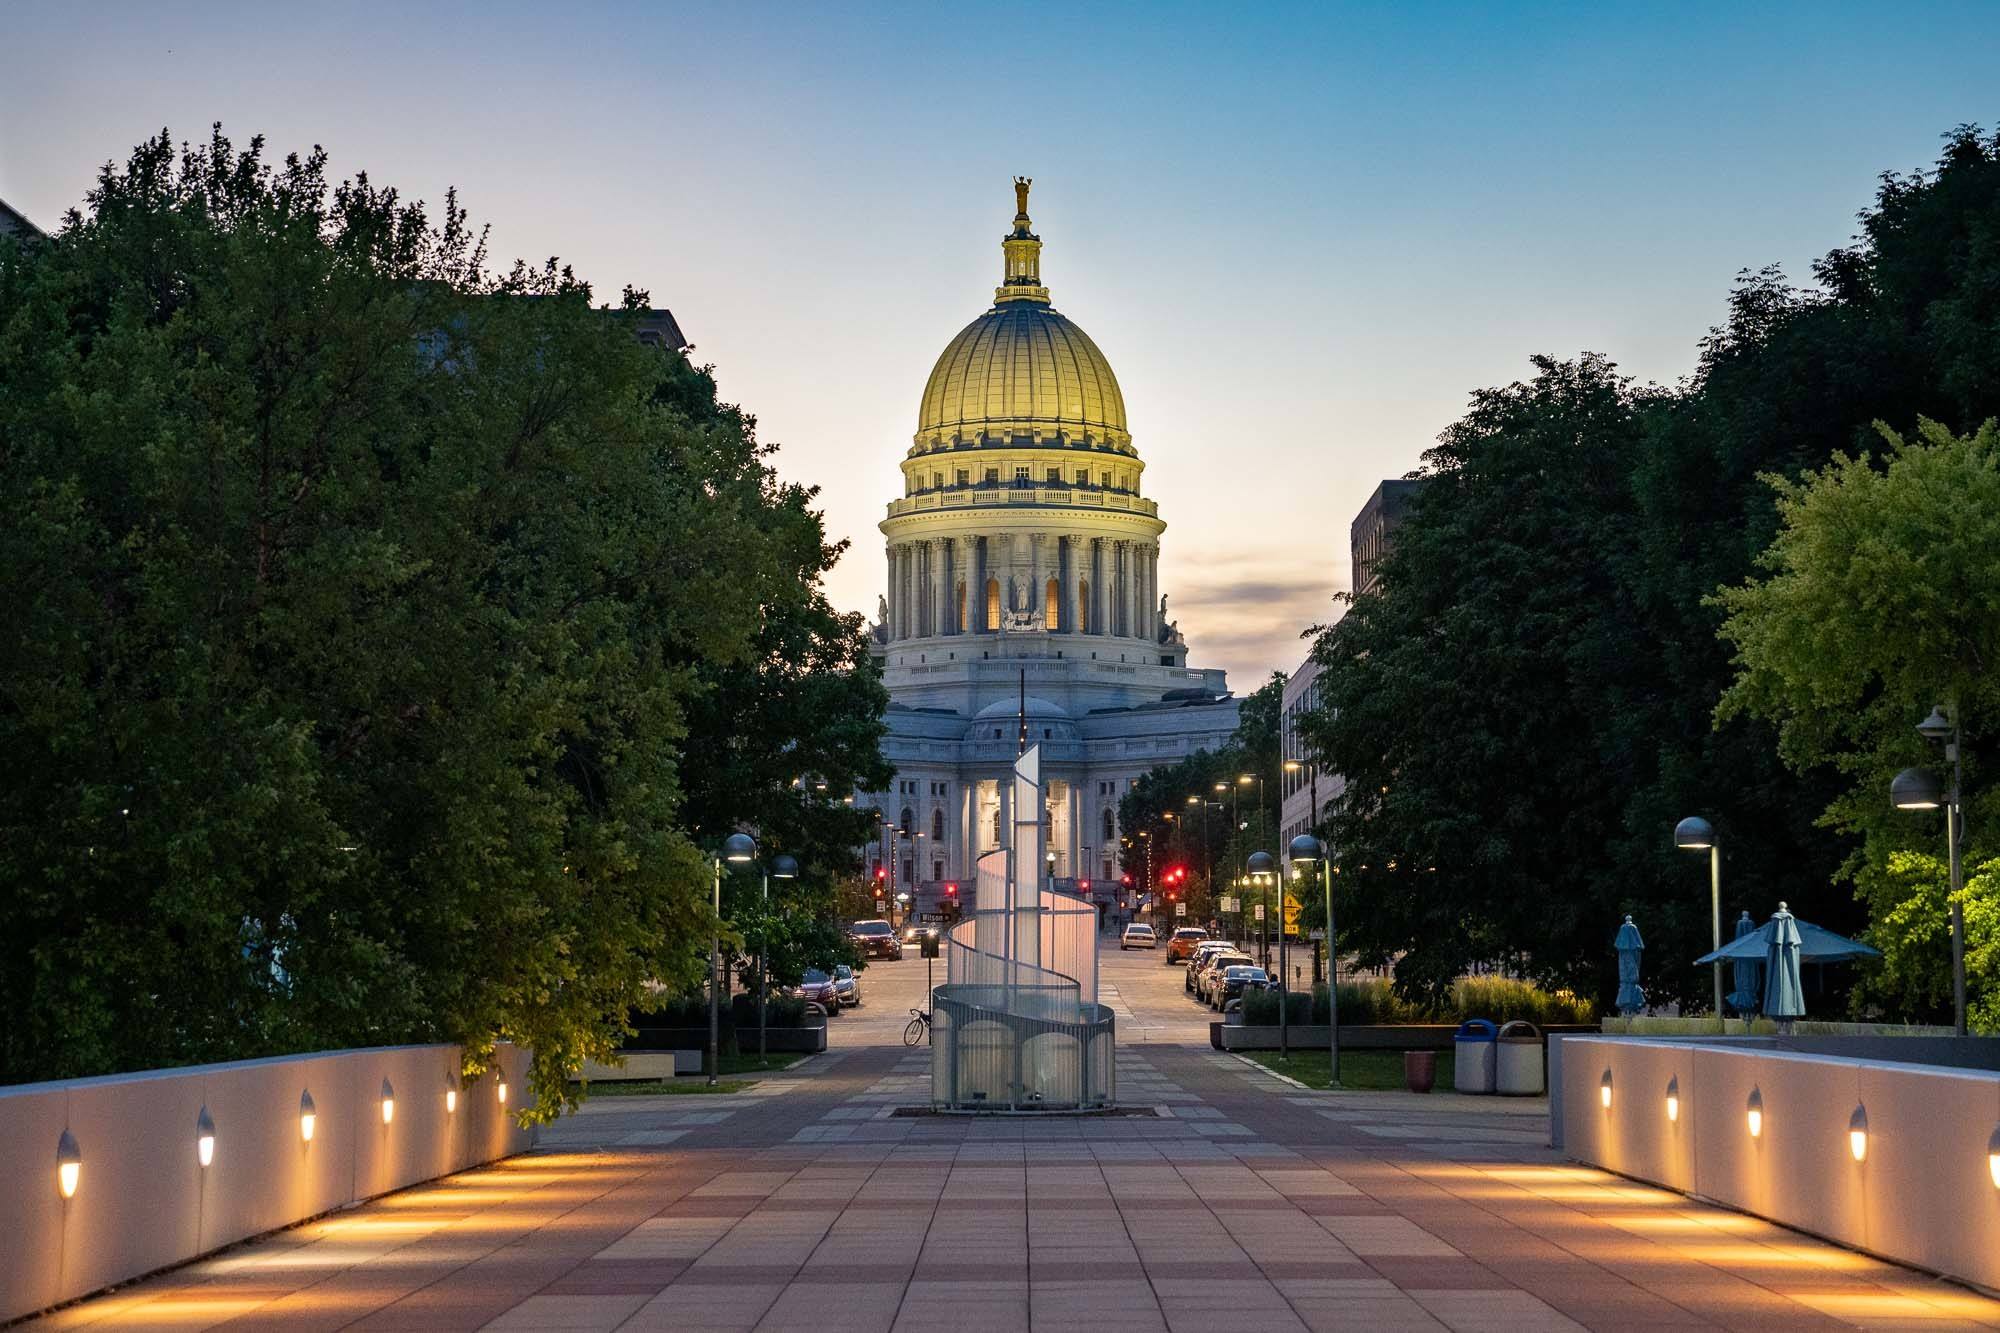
(1021, 184)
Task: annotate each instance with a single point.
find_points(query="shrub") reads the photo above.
(780, 1011)
(1372, 1001)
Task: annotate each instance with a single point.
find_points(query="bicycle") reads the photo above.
(918, 1028)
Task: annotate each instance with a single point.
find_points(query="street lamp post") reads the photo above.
(1308, 850)
(1263, 866)
(737, 849)
(1695, 834)
(782, 867)
(1920, 789)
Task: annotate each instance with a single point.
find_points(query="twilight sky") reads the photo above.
(1301, 234)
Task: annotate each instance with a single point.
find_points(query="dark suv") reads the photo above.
(875, 939)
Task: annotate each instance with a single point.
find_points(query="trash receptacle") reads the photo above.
(1472, 1056)
(1518, 1068)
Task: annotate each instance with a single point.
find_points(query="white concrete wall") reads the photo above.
(143, 1199)
(1923, 1195)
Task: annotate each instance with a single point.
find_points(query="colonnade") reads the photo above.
(1100, 586)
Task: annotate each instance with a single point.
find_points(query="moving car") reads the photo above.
(846, 986)
(875, 939)
(1236, 981)
(818, 988)
(1138, 936)
(913, 936)
(1183, 942)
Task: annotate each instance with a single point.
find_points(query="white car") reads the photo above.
(1137, 936)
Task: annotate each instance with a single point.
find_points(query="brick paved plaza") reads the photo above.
(1238, 1202)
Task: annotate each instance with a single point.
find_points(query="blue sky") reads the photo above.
(1302, 234)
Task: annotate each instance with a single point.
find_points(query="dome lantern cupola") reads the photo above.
(1024, 254)
(1022, 373)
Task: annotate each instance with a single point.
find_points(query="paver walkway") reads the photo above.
(1238, 1202)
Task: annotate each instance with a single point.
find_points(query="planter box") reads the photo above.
(1359, 1037)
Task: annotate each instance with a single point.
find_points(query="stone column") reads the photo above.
(1128, 588)
(903, 580)
(889, 593)
(1101, 605)
(935, 599)
(900, 626)
(1069, 580)
(975, 591)
(1035, 573)
(1151, 606)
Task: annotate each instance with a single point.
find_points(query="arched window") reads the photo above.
(909, 818)
(1052, 603)
(937, 827)
(993, 603)
(1083, 606)
(1109, 831)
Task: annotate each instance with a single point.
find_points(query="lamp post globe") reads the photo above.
(1937, 727)
(1916, 789)
(784, 867)
(1694, 834)
(1306, 849)
(739, 848)
(1260, 863)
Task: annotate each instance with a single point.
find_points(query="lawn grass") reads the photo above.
(1364, 1071)
(746, 1062)
(689, 1086)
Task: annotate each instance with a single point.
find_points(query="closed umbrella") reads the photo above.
(1747, 974)
(1631, 999)
(1784, 989)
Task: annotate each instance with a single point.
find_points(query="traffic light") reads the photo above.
(951, 890)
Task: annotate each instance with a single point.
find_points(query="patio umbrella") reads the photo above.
(1784, 991)
(1817, 945)
(1628, 944)
(1746, 974)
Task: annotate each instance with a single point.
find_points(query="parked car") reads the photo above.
(1199, 958)
(1211, 975)
(1138, 936)
(818, 988)
(1236, 981)
(1181, 945)
(876, 939)
(846, 986)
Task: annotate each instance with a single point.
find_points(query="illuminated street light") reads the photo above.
(204, 1137)
(1754, 1113)
(1922, 789)
(1695, 834)
(308, 1116)
(1673, 1100)
(1857, 1134)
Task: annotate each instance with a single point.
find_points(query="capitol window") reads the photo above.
(993, 476)
(1021, 474)
(1055, 476)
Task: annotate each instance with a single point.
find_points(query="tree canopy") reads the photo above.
(1527, 700)
(389, 638)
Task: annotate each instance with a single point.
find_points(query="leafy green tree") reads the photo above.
(1201, 838)
(1472, 823)
(364, 608)
(1879, 597)
(1900, 323)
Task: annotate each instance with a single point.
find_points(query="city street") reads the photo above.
(1219, 1193)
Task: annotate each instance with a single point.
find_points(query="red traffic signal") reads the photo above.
(951, 890)
(880, 873)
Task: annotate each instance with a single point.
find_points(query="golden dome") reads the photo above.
(1021, 369)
